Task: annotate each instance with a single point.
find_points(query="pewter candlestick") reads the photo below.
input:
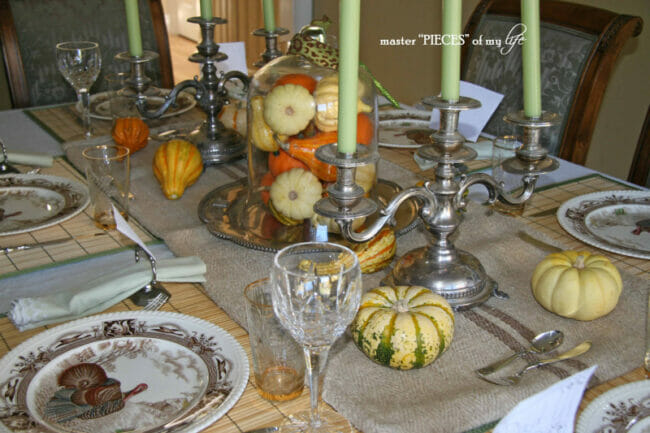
(271, 38)
(216, 143)
(455, 274)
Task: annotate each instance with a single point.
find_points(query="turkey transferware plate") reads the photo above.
(128, 371)
(35, 201)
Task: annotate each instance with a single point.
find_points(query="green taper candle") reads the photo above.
(451, 28)
(133, 27)
(530, 59)
(206, 9)
(269, 15)
(350, 17)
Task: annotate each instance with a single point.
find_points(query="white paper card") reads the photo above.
(123, 227)
(472, 122)
(236, 60)
(551, 410)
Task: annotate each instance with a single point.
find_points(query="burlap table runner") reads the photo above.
(445, 396)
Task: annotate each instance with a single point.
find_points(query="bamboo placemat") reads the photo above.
(63, 122)
(89, 240)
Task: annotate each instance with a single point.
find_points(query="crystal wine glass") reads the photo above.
(80, 62)
(316, 290)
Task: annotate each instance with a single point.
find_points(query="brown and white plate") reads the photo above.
(128, 371)
(615, 221)
(625, 408)
(100, 107)
(35, 201)
(405, 129)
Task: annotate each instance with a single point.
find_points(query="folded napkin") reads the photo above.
(34, 159)
(551, 410)
(101, 292)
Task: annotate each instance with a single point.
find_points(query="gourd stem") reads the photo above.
(315, 360)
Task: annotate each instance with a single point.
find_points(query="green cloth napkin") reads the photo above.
(34, 159)
(101, 292)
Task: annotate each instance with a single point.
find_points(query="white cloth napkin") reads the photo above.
(551, 410)
(102, 292)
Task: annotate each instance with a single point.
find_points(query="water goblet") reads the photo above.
(316, 291)
(80, 63)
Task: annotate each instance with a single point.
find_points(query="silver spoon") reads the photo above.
(542, 343)
(515, 378)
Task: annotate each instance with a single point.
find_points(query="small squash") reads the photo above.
(304, 80)
(261, 134)
(403, 327)
(577, 284)
(288, 109)
(294, 193)
(326, 96)
(378, 252)
(280, 161)
(177, 164)
(130, 132)
(233, 116)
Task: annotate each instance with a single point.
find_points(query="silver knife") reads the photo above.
(7, 250)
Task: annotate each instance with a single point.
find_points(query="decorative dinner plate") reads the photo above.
(100, 104)
(616, 221)
(139, 371)
(625, 408)
(35, 201)
(406, 129)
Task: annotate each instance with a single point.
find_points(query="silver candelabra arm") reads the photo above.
(428, 206)
(495, 189)
(171, 98)
(232, 75)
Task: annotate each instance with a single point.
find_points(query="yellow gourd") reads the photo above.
(403, 327)
(326, 96)
(260, 134)
(577, 284)
(288, 109)
(294, 193)
(177, 164)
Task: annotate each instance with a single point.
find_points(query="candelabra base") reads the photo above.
(226, 146)
(458, 277)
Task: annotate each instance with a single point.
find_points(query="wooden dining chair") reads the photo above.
(579, 47)
(640, 167)
(30, 29)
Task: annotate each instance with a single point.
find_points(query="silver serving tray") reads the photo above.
(230, 212)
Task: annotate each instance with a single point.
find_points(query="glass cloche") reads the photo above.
(292, 111)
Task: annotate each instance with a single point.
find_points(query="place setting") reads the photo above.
(251, 252)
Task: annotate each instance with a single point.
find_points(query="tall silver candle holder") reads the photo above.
(271, 39)
(453, 273)
(216, 143)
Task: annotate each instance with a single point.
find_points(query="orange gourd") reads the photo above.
(304, 149)
(303, 80)
(280, 161)
(130, 132)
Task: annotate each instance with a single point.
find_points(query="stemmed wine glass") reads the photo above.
(316, 290)
(80, 62)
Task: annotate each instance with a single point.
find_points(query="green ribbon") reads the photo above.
(323, 54)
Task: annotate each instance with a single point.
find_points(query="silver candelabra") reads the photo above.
(271, 39)
(455, 274)
(216, 143)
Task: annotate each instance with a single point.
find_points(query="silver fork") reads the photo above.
(515, 378)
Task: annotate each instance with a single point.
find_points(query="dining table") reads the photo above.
(445, 396)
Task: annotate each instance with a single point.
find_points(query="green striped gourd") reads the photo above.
(403, 327)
